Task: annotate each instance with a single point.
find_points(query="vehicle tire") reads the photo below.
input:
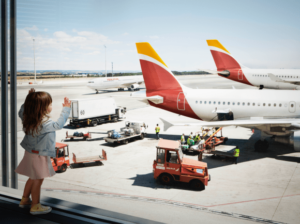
(72, 139)
(125, 142)
(63, 168)
(209, 178)
(166, 179)
(197, 185)
(142, 136)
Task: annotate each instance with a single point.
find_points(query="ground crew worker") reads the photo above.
(188, 140)
(197, 138)
(182, 139)
(236, 154)
(157, 129)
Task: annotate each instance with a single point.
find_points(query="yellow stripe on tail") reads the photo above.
(146, 49)
(217, 44)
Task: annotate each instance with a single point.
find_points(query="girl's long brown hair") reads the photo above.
(35, 109)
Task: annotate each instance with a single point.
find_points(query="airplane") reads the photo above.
(228, 67)
(129, 82)
(275, 113)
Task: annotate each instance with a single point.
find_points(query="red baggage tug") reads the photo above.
(170, 165)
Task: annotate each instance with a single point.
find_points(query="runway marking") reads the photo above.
(177, 203)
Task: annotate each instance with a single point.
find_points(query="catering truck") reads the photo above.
(94, 111)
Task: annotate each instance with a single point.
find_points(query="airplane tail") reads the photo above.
(223, 59)
(157, 75)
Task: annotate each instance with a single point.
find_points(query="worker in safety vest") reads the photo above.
(197, 138)
(157, 129)
(182, 139)
(188, 140)
(236, 154)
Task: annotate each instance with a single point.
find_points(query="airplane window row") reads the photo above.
(279, 76)
(242, 103)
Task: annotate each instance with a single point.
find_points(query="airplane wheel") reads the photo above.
(129, 89)
(197, 185)
(97, 92)
(166, 179)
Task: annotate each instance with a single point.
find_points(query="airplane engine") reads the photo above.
(134, 86)
(293, 139)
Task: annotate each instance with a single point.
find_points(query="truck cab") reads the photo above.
(61, 162)
(170, 165)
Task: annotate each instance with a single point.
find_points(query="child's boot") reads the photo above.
(39, 209)
(25, 202)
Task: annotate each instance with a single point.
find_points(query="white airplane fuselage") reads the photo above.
(115, 82)
(260, 77)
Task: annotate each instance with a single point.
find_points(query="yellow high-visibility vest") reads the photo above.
(188, 141)
(237, 153)
(196, 138)
(157, 129)
(182, 138)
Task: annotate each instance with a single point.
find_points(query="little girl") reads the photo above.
(39, 145)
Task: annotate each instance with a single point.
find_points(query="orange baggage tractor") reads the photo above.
(170, 166)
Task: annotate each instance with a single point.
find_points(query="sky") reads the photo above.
(71, 34)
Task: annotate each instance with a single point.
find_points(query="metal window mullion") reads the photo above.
(4, 95)
(13, 94)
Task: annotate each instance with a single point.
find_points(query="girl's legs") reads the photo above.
(27, 189)
(36, 191)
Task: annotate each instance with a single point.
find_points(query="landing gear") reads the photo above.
(121, 89)
(261, 146)
(97, 92)
(129, 89)
(261, 87)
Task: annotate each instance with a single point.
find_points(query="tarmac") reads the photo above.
(262, 187)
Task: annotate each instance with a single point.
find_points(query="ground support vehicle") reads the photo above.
(62, 161)
(222, 150)
(170, 165)
(132, 130)
(84, 136)
(91, 112)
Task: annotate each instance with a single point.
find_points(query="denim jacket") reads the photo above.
(44, 143)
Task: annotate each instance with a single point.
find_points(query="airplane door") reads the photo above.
(292, 107)
(240, 74)
(181, 101)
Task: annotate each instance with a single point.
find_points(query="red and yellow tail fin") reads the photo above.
(223, 59)
(157, 75)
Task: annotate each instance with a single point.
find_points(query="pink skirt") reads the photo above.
(35, 166)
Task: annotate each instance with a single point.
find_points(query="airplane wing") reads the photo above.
(276, 79)
(141, 96)
(251, 123)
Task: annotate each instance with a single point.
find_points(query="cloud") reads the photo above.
(31, 28)
(154, 37)
(60, 49)
(46, 29)
(125, 34)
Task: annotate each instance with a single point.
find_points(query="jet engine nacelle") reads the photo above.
(293, 139)
(134, 86)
